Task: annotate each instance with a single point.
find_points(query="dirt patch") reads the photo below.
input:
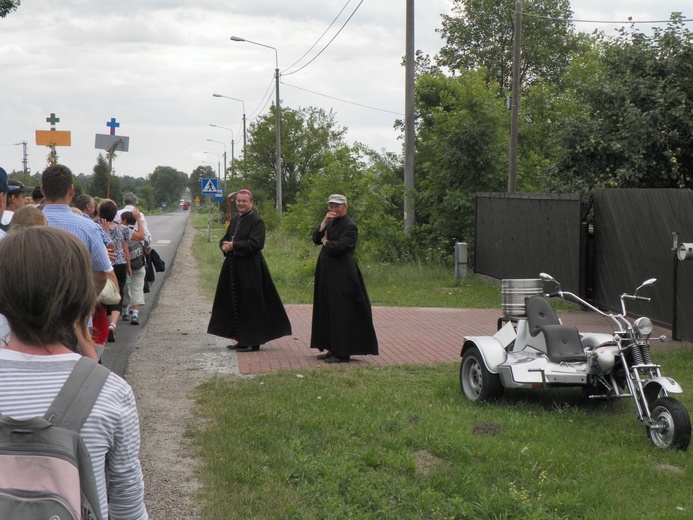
(172, 356)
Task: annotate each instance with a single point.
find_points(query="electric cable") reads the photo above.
(321, 36)
(328, 43)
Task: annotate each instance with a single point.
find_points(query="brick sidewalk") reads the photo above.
(406, 335)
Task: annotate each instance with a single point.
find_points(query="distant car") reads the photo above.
(186, 205)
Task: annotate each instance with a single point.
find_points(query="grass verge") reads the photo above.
(292, 264)
(400, 443)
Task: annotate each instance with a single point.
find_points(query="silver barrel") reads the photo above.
(514, 292)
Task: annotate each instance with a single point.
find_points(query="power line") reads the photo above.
(321, 36)
(576, 20)
(263, 102)
(343, 100)
(328, 43)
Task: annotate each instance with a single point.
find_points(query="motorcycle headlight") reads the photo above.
(643, 326)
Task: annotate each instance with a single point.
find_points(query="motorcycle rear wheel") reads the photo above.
(476, 382)
(676, 421)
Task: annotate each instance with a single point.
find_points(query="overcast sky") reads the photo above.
(154, 65)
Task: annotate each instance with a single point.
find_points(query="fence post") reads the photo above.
(460, 260)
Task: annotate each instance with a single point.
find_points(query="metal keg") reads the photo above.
(515, 291)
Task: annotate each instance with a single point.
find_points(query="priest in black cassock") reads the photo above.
(342, 317)
(247, 306)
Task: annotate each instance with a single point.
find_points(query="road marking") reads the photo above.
(162, 242)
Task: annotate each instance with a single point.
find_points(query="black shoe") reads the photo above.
(111, 335)
(327, 355)
(249, 348)
(335, 359)
(233, 346)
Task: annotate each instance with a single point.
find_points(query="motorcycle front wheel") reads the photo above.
(675, 422)
(477, 383)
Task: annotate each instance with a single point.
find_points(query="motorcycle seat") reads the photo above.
(539, 314)
(563, 343)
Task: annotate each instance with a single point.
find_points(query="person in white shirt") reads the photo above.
(130, 201)
(44, 346)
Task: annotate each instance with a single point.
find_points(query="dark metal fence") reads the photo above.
(521, 235)
(633, 242)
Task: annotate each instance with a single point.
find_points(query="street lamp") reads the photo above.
(277, 123)
(244, 134)
(224, 145)
(218, 161)
(232, 145)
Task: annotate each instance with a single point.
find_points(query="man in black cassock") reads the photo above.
(342, 316)
(247, 306)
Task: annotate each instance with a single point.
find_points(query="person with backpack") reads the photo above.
(133, 297)
(47, 296)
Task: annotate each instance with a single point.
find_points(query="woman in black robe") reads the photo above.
(342, 316)
(247, 306)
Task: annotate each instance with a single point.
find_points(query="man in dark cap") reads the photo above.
(342, 316)
(16, 198)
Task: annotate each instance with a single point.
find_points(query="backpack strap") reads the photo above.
(76, 398)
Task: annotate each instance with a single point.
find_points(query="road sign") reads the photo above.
(209, 186)
(117, 143)
(219, 195)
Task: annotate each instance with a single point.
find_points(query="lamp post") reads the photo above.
(244, 133)
(277, 124)
(232, 145)
(218, 162)
(224, 145)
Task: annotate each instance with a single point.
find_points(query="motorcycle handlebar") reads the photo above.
(639, 298)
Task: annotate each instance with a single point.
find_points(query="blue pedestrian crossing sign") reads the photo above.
(209, 186)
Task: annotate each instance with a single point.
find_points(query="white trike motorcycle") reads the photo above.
(540, 352)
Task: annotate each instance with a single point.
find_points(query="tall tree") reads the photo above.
(7, 6)
(99, 179)
(307, 135)
(480, 33)
(168, 184)
(372, 183)
(631, 122)
(461, 150)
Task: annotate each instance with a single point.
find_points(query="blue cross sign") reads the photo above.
(112, 124)
(209, 186)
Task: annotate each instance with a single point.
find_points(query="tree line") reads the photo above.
(597, 111)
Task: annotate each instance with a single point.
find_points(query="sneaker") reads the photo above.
(111, 334)
(125, 316)
(134, 320)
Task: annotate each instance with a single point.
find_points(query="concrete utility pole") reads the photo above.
(409, 131)
(515, 100)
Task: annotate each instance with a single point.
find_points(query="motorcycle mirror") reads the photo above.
(645, 284)
(549, 284)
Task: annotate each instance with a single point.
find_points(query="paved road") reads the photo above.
(167, 231)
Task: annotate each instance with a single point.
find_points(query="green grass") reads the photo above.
(398, 443)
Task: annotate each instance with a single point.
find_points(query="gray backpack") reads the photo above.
(45, 469)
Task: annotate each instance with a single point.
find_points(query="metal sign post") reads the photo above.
(210, 187)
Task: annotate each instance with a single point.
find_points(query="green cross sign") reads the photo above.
(52, 120)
